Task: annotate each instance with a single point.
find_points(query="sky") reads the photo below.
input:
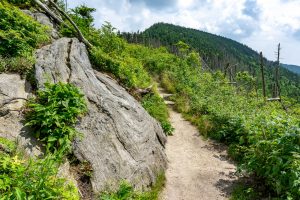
(260, 24)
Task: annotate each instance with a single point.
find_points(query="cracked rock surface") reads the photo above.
(120, 139)
(13, 91)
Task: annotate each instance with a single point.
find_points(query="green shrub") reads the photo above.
(127, 192)
(54, 113)
(7, 146)
(127, 69)
(242, 192)
(167, 83)
(33, 179)
(261, 136)
(21, 65)
(156, 107)
(21, 3)
(20, 34)
(274, 152)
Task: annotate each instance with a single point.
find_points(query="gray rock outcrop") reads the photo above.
(120, 139)
(13, 91)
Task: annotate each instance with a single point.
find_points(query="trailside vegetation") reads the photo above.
(262, 136)
(23, 178)
(127, 192)
(219, 53)
(53, 114)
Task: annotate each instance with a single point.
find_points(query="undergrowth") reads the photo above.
(156, 107)
(53, 114)
(243, 192)
(23, 178)
(262, 137)
(127, 192)
(20, 35)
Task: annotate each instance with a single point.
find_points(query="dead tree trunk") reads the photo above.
(277, 73)
(49, 12)
(263, 75)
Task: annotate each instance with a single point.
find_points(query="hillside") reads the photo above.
(293, 68)
(84, 114)
(218, 52)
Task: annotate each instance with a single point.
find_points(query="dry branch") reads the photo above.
(144, 91)
(49, 12)
(80, 35)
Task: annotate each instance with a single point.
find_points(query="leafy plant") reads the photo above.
(54, 113)
(156, 107)
(127, 192)
(7, 146)
(20, 34)
(242, 192)
(33, 179)
(21, 3)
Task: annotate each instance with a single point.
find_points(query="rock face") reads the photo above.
(45, 20)
(12, 89)
(121, 140)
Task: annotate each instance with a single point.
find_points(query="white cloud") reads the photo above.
(260, 24)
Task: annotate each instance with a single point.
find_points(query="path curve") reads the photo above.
(198, 169)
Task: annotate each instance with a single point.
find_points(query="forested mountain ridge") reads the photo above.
(210, 46)
(219, 53)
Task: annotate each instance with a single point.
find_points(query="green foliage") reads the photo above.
(54, 113)
(242, 192)
(127, 192)
(262, 136)
(217, 52)
(128, 70)
(33, 179)
(274, 151)
(111, 56)
(156, 107)
(19, 36)
(7, 146)
(21, 3)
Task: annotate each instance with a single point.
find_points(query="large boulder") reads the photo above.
(13, 93)
(120, 139)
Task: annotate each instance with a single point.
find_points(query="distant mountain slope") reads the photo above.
(213, 48)
(293, 68)
(218, 51)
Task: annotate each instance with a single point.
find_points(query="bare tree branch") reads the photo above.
(49, 12)
(144, 91)
(80, 35)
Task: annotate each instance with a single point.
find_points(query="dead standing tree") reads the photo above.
(263, 75)
(277, 85)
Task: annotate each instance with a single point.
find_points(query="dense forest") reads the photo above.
(263, 136)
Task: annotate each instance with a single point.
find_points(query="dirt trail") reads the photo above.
(198, 169)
